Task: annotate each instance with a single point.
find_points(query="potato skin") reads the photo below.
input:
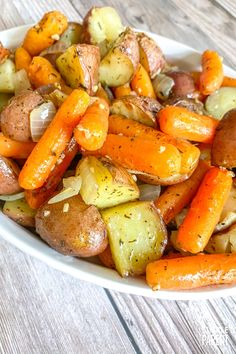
(185, 102)
(15, 122)
(78, 232)
(184, 83)
(151, 56)
(128, 45)
(9, 172)
(223, 151)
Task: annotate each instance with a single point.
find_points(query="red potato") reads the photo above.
(9, 172)
(184, 83)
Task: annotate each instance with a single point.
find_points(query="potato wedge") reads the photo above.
(223, 150)
(79, 66)
(221, 101)
(105, 184)
(141, 109)
(20, 212)
(7, 71)
(137, 236)
(72, 34)
(151, 56)
(121, 61)
(72, 227)
(101, 26)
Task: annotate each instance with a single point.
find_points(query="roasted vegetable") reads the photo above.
(191, 104)
(4, 53)
(79, 66)
(15, 118)
(9, 172)
(183, 84)
(121, 61)
(4, 99)
(141, 109)
(20, 212)
(162, 85)
(105, 184)
(221, 101)
(7, 71)
(137, 236)
(223, 242)
(72, 227)
(151, 56)
(224, 144)
(101, 26)
(72, 34)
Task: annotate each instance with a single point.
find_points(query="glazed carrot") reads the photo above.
(106, 258)
(92, 129)
(46, 153)
(212, 74)
(129, 127)
(22, 59)
(227, 80)
(178, 196)
(15, 149)
(182, 123)
(36, 197)
(101, 93)
(41, 72)
(121, 91)
(141, 83)
(205, 210)
(149, 156)
(45, 33)
(192, 272)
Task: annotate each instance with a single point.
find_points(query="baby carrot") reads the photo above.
(148, 156)
(178, 196)
(22, 59)
(212, 74)
(141, 83)
(227, 80)
(45, 33)
(205, 210)
(15, 149)
(91, 131)
(36, 197)
(182, 123)
(41, 72)
(121, 91)
(54, 141)
(129, 127)
(192, 272)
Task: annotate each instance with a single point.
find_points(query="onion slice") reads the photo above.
(12, 197)
(149, 191)
(40, 117)
(71, 187)
(162, 85)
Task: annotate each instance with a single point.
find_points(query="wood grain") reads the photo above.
(44, 311)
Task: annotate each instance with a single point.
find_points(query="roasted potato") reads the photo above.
(184, 84)
(223, 242)
(101, 26)
(72, 227)
(221, 101)
(155, 180)
(191, 104)
(9, 172)
(151, 56)
(139, 108)
(20, 212)
(15, 122)
(7, 71)
(223, 151)
(106, 258)
(105, 184)
(4, 99)
(79, 66)
(137, 236)
(121, 61)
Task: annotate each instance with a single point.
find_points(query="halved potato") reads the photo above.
(20, 212)
(105, 184)
(139, 108)
(221, 101)
(79, 66)
(7, 71)
(101, 26)
(137, 236)
(151, 56)
(121, 62)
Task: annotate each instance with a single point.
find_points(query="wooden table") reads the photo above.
(45, 311)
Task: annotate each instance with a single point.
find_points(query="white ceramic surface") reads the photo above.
(186, 58)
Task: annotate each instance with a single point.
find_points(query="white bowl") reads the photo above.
(89, 270)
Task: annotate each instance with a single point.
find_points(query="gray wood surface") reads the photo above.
(45, 311)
